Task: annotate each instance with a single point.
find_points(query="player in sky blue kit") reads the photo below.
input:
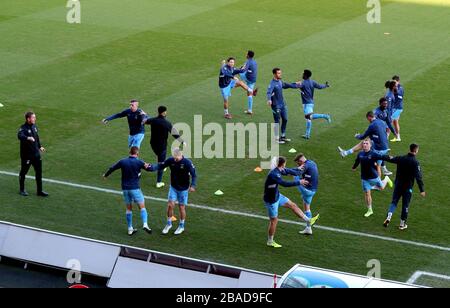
(135, 117)
(273, 199)
(275, 100)
(228, 81)
(250, 77)
(369, 173)
(131, 172)
(182, 170)
(310, 174)
(377, 132)
(307, 93)
(397, 108)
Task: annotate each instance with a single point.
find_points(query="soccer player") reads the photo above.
(309, 173)
(131, 172)
(135, 117)
(30, 153)
(377, 132)
(250, 77)
(182, 170)
(307, 93)
(397, 108)
(160, 130)
(369, 173)
(382, 113)
(228, 81)
(276, 101)
(408, 170)
(273, 199)
(390, 94)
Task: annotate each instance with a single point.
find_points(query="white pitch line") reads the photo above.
(243, 214)
(419, 274)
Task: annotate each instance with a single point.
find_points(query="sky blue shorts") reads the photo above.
(133, 196)
(249, 84)
(368, 185)
(181, 197)
(272, 209)
(381, 152)
(307, 195)
(135, 141)
(226, 92)
(308, 108)
(396, 114)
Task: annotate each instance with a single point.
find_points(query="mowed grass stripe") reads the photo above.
(69, 39)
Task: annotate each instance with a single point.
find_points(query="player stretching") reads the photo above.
(273, 199)
(276, 101)
(307, 93)
(310, 174)
(228, 81)
(250, 77)
(369, 173)
(135, 117)
(397, 108)
(377, 132)
(182, 170)
(131, 172)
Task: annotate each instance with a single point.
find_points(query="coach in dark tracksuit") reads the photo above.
(30, 153)
(160, 130)
(408, 171)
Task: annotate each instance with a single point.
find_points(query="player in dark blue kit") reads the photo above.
(307, 93)
(250, 77)
(369, 173)
(391, 91)
(383, 113)
(182, 170)
(273, 199)
(275, 100)
(228, 81)
(378, 134)
(397, 108)
(135, 117)
(131, 173)
(309, 172)
(408, 171)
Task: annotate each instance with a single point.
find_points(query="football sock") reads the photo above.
(250, 103)
(129, 215)
(349, 152)
(144, 216)
(319, 116)
(308, 127)
(309, 215)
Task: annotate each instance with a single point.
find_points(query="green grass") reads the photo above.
(169, 53)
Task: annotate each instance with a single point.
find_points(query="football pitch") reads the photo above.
(169, 53)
